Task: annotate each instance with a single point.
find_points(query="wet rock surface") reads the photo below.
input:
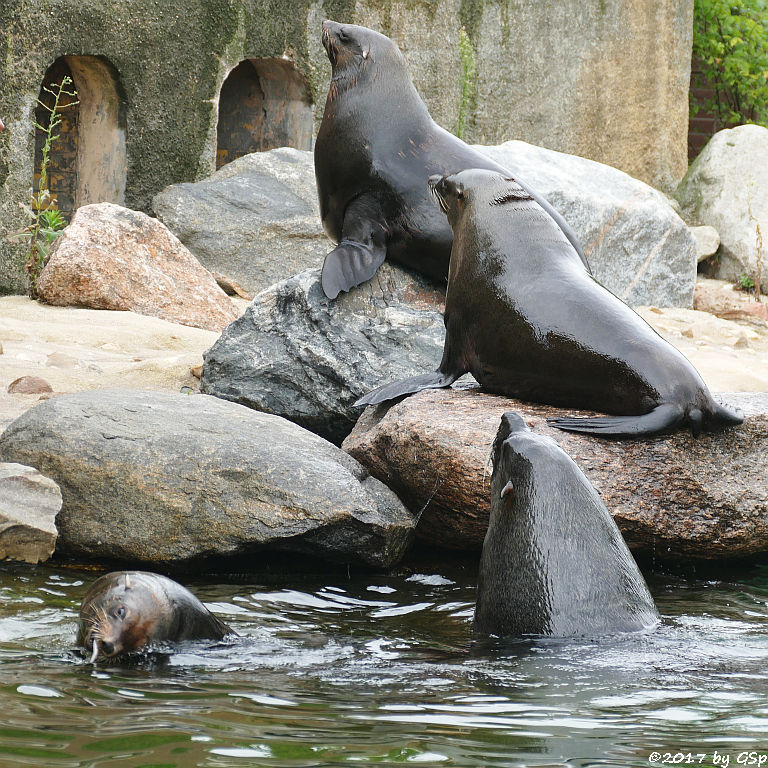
(672, 496)
(111, 257)
(160, 478)
(297, 354)
(29, 503)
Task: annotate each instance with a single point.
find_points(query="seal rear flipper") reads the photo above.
(661, 419)
(434, 380)
(350, 264)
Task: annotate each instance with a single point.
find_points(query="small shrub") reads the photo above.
(730, 39)
(46, 221)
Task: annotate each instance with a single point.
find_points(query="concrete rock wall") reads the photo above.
(606, 79)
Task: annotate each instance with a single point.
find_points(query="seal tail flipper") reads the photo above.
(434, 380)
(724, 416)
(662, 418)
(350, 264)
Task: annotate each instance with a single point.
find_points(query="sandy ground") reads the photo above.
(77, 349)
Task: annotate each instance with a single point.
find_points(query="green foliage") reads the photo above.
(730, 39)
(46, 221)
(746, 283)
(467, 82)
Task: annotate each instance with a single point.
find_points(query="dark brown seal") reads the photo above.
(524, 316)
(554, 562)
(376, 148)
(128, 611)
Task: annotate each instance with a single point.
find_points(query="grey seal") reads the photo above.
(554, 562)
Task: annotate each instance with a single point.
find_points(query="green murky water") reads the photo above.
(346, 670)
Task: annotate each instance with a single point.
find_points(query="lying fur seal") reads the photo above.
(376, 147)
(554, 561)
(524, 316)
(127, 611)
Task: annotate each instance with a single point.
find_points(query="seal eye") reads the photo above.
(120, 612)
(343, 36)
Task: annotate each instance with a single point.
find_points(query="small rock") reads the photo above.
(296, 354)
(196, 370)
(29, 503)
(61, 360)
(164, 478)
(707, 241)
(114, 258)
(29, 385)
(230, 287)
(672, 496)
(726, 187)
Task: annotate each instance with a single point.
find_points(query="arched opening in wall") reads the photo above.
(263, 104)
(87, 162)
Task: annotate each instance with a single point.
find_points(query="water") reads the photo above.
(354, 669)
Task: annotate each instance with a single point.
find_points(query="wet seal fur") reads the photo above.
(554, 562)
(376, 148)
(524, 316)
(127, 611)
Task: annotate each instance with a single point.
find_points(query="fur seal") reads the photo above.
(127, 611)
(524, 316)
(376, 147)
(554, 561)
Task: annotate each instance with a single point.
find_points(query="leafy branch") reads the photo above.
(730, 40)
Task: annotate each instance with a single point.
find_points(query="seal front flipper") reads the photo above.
(350, 264)
(434, 380)
(360, 253)
(661, 419)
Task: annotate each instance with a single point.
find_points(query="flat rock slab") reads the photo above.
(160, 478)
(672, 496)
(29, 503)
(297, 354)
(111, 257)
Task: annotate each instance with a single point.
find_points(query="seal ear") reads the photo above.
(127, 581)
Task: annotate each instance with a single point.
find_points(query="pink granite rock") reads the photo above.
(111, 257)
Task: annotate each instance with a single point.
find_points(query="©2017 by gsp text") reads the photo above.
(724, 759)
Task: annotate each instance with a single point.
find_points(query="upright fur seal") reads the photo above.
(554, 562)
(376, 147)
(524, 316)
(126, 611)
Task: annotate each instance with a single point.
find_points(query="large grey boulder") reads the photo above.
(256, 220)
(297, 354)
(636, 244)
(672, 496)
(29, 503)
(163, 478)
(726, 187)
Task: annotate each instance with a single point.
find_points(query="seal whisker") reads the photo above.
(96, 651)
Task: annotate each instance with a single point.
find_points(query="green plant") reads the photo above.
(46, 221)
(730, 40)
(467, 82)
(746, 283)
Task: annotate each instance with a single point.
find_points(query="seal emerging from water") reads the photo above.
(127, 611)
(376, 148)
(524, 316)
(554, 561)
